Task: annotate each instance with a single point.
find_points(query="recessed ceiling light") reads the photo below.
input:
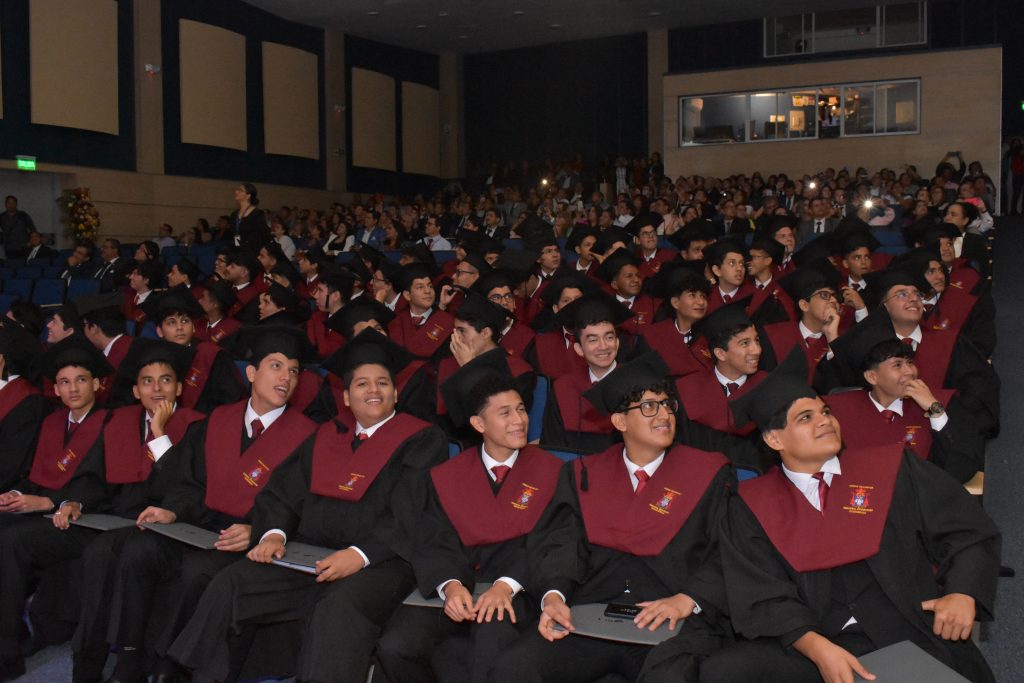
(463, 37)
(554, 26)
(442, 14)
(518, 12)
(373, 13)
(654, 13)
(421, 25)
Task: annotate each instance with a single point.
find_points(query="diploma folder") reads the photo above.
(416, 598)
(906, 663)
(590, 621)
(302, 557)
(185, 533)
(101, 522)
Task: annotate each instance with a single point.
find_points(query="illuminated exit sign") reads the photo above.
(26, 163)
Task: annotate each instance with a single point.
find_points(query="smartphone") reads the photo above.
(621, 611)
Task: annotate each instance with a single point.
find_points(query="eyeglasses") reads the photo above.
(904, 294)
(498, 298)
(824, 295)
(460, 272)
(650, 408)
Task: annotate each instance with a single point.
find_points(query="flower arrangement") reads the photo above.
(81, 219)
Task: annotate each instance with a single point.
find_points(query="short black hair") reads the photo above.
(490, 385)
(581, 324)
(346, 377)
(110, 327)
(660, 386)
(479, 324)
(779, 419)
(28, 315)
(883, 351)
(689, 282)
(722, 339)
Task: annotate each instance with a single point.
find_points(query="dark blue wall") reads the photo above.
(551, 101)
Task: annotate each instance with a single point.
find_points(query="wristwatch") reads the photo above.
(935, 410)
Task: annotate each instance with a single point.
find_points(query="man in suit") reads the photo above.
(78, 264)
(370, 232)
(15, 227)
(493, 227)
(36, 250)
(819, 222)
(113, 270)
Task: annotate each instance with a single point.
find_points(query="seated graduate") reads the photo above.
(897, 407)
(358, 488)
(244, 273)
(682, 287)
(332, 291)
(22, 407)
(185, 273)
(620, 271)
(220, 467)
(143, 278)
(571, 422)
(644, 229)
(421, 329)
(552, 353)
(66, 477)
(216, 300)
(280, 305)
(581, 241)
(728, 261)
(839, 552)
(547, 267)
(471, 267)
(103, 324)
(943, 239)
(499, 287)
(636, 524)
(480, 506)
(137, 441)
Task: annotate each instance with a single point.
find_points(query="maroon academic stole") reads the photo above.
(199, 372)
(644, 523)
(579, 414)
(425, 340)
(306, 389)
(13, 393)
(933, 355)
(224, 329)
(480, 516)
(856, 508)
(129, 460)
(234, 477)
(706, 403)
(55, 463)
(340, 473)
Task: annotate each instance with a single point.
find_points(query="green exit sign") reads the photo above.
(26, 163)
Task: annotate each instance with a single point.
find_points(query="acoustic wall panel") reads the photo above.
(373, 120)
(73, 64)
(291, 101)
(421, 135)
(212, 63)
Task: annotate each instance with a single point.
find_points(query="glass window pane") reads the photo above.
(765, 123)
(904, 24)
(786, 35)
(799, 110)
(860, 110)
(848, 29)
(709, 120)
(896, 107)
(830, 112)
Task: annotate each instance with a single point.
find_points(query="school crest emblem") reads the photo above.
(435, 332)
(65, 460)
(665, 502)
(353, 479)
(254, 476)
(523, 500)
(910, 438)
(192, 379)
(860, 499)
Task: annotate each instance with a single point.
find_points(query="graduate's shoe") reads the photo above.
(167, 671)
(130, 667)
(11, 669)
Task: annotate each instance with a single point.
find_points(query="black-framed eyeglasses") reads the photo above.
(498, 298)
(650, 408)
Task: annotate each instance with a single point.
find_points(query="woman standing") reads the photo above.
(249, 223)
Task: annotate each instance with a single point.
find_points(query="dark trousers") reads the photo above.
(343, 619)
(422, 645)
(573, 659)
(764, 660)
(29, 544)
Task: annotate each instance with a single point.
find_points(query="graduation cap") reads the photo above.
(493, 280)
(189, 269)
(477, 260)
(732, 244)
(594, 307)
(536, 233)
(917, 261)
(95, 308)
(573, 280)
(518, 261)
(812, 277)
(609, 237)
(361, 310)
(852, 349)
(338, 279)
(681, 239)
(478, 307)
(676, 277)
(245, 259)
(389, 269)
(858, 239)
(915, 232)
(822, 246)
(358, 270)
(578, 234)
(639, 374)
(75, 350)
(255, 343)
(777, 392)
(648, 218)
(725, 318)
(274, 250)
(369, 347)
(882, 281)
(936, 232)
(778, 223)
(282, 296)
(286, 270)
(369, 253)
(411, 273)
(458, 391)
(223, 293)
(420, 253)
(612, 265)
(489, 245)
(151, 271)
(770, 246)
(18, 347)
(314, 255)
(175, 300)
(145, 351)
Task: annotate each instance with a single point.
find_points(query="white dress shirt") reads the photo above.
(915, 335)
(896, 406)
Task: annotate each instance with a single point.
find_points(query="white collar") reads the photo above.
(653, 253)
(594, 379)
(584, 268)
(78, 421)
(110, 345)
(915, 335)
(650, 468)
(369, 431)
(896, 406)
(626, 300)
(507, 328)
(242, 286)
(854, 283)
(688, 332)
(423, 316)
(932, 301)
(723, 380)
(765, 283)
(808, 485)
(266, 419)
(724, 293)
(5, 382)
(142, 296)
(490, 463)
(805, 333)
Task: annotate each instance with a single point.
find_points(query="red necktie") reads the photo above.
(641, 480)
(822, 490)
(928, 308)
(417, 320)
(759, 286)
(819, 345)
(500, 472)
(568, 339)
(889, 415)
(731, 388)
(908, 341)
(257, 427)
(72, 426)
(727, 298)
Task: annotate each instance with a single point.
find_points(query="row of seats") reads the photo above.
(43, 291)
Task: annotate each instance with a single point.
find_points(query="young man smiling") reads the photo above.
(421, 329)
(834, 555)
(683, 286)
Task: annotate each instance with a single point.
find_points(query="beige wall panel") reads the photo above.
(291, 102)
(73, 64)
(452, 136)
(212, 85)
(373, 120)
(971, 124)
(149, 91)
(334, 109)
(421, 129)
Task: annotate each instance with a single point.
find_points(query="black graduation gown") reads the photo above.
(587, 431)
(936, 540)
(19, 431)
(222, 385)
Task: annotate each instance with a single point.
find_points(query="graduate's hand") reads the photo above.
(655, 612)
(831, 326)
(338, 565)
(555, 612)
(68, 512)
(448, 293)
(161, 414)
(853, 299)
(269, 549)
(17, 502)
(954, 616)
(919, 392)
(458, 602)
(155, 515)
(234, 539)
(835, 664)
(460, 349)
(498, 598)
